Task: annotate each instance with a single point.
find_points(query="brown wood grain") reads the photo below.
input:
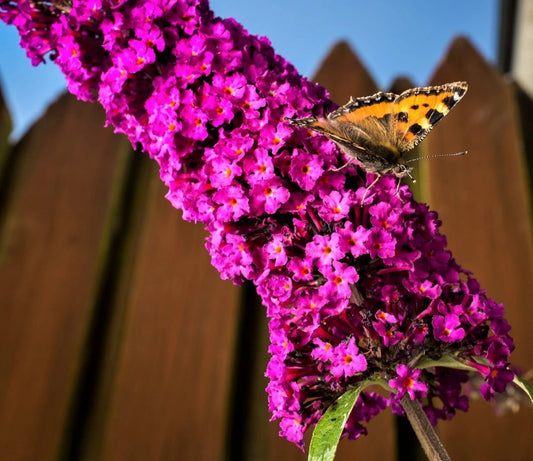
(525, 110)
(169, 383)
(56, 217)
(483, 200)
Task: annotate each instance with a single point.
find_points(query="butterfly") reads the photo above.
(378, 130)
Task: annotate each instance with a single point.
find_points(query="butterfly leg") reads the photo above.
(343, 166)
(370, 187)
(397, 194)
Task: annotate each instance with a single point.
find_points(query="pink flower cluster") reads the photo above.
(352, 292)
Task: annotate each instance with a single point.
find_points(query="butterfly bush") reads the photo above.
(352, 292)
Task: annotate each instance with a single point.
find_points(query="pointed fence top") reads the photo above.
(344, 75)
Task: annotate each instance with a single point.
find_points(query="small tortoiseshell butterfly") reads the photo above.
(378, 130)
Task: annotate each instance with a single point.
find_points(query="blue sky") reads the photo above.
(391, 37)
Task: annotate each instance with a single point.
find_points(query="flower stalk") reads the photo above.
(425, 432)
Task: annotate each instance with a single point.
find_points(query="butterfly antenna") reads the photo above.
(404, 171)
(456, 154)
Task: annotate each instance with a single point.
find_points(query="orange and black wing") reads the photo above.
(361, 120)
(361, 128)
(365, 120)
(418, 110)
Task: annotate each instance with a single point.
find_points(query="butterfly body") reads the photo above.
(378, 130)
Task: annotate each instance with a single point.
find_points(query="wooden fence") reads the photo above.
(118, 340)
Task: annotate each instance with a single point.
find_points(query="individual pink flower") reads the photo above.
(408, 382)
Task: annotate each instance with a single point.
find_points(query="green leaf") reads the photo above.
(329, 429)
(446, 361)
(526, 386)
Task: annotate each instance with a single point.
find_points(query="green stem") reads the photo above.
(424, 430)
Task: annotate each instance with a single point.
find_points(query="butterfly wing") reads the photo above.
(373, 115)
(418, 110)
(337, 132)
(377, 130)
(362, 129)
(364, 120)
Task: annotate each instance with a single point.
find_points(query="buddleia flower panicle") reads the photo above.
(352, 292)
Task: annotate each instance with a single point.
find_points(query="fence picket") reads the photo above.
(483, 200)
(344, 75)
(168, 397)
(64, 181)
